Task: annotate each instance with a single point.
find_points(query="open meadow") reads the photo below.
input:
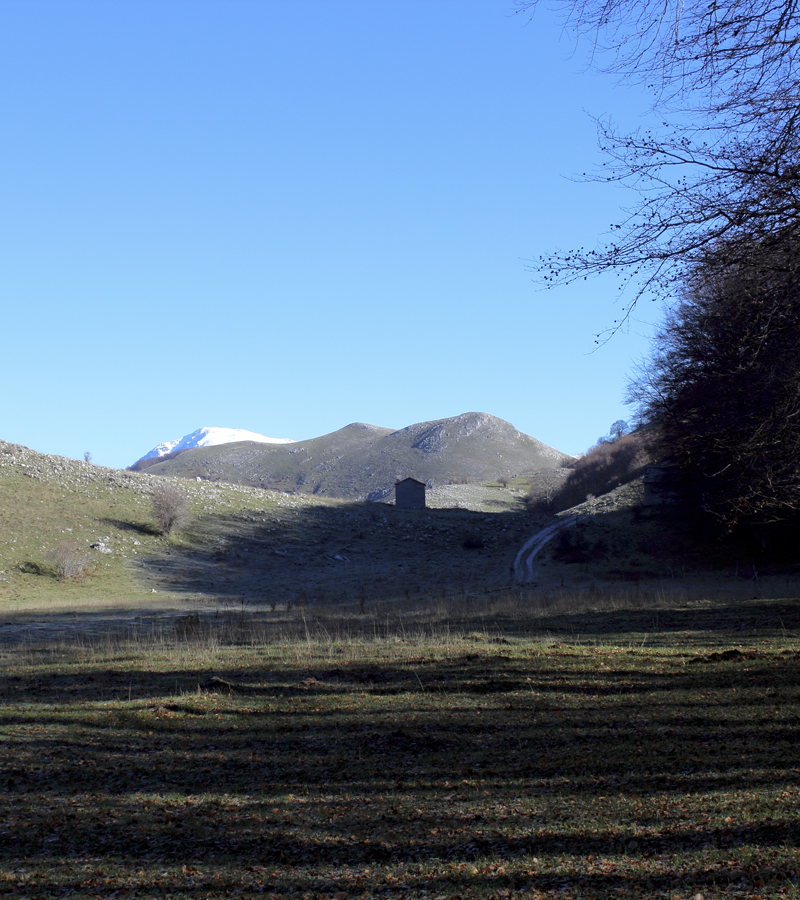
(504, 749)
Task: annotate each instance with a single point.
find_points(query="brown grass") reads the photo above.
(637, 752)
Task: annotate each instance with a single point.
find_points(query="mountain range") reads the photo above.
(363, 461)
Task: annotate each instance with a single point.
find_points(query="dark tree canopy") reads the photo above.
(715, 233)
(727, 73)
(723, 384)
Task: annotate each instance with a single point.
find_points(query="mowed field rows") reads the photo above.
(650, 754)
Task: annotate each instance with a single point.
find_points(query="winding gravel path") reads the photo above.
(534, 544)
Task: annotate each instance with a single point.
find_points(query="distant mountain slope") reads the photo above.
(364, 461)
(242, 545)
(203, 437)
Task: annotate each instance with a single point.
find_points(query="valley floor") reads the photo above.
(626, 753)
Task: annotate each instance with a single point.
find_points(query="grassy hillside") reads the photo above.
(287, 732)
(242, 544)
(268, 550)
(364, 462)
(46, 500)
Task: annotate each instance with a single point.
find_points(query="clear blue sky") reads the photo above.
(288, 216)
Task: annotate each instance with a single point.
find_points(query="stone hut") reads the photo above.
(409, 494)
(659, 484)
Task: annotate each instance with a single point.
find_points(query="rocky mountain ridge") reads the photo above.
(363, 462)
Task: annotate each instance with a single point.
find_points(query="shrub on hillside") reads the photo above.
(604, 467)
(170, 507)
(71, 560)
(571, 546)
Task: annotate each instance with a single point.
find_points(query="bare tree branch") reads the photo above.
(730, 68)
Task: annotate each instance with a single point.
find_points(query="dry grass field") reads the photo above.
(469, 751)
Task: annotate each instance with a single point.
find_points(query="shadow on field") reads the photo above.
(349, 554)
(145, 528)
(357, 554)
(657, 616)
(424, 759)
(34, 568)
(530, 723)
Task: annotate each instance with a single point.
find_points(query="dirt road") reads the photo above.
(533, 545)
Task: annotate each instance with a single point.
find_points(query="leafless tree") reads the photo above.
(550, 483)
(716, 51)
(617, 429)
(725, 75)
(170, 507)
(544, 487)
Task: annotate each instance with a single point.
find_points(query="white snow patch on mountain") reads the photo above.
(211, 437)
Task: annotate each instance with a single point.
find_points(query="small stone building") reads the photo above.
(659, 484)
(409, 494)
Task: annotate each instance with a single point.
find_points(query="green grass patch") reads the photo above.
(49, 500)
(608, 754)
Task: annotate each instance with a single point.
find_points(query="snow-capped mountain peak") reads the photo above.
(211, 437)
